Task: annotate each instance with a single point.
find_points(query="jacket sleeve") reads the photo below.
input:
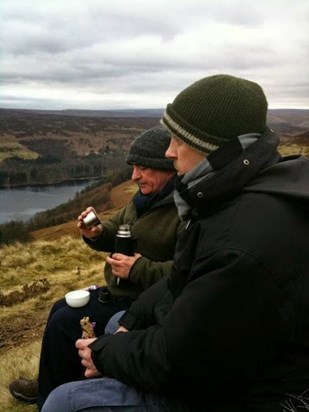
(146, 272)
(212, 333)
(143, 311)
(141, 316)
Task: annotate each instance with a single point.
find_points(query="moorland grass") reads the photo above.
(67, 263)
(19, 361)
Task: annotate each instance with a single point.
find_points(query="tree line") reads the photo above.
(50, 169)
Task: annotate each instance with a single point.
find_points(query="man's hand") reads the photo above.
(121, 264)
(90, 232)
(85, 353)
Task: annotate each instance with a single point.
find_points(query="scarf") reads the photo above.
(143, 203)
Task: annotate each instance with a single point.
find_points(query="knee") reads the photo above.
(57, 400)
(62, 319)
(57, 305)
(113, 324)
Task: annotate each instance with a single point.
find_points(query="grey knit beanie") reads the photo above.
(216, 109)
(149, 148)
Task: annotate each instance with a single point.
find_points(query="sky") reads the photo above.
(130, 54)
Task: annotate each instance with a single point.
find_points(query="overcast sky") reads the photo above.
(109, 54)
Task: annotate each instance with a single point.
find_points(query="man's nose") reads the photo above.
(135, 173)
(170, 151)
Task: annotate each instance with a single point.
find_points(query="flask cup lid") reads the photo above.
(124, 231)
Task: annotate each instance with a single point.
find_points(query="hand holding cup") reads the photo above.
(89, 223)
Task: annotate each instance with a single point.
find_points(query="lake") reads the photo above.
(24, 202)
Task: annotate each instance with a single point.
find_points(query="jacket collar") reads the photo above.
(233, 166)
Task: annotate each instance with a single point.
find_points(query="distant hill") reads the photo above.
(88, 113)
(22, 122)
(289, 122)
(72, 132)
(115, 113)
(293, 116)
(44, 147)
(49, 146)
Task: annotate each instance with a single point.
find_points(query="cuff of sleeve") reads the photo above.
(96, 347)
(99, 343)
(136, 270)
(91, 239)
(129, 320)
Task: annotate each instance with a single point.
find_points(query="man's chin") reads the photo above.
(144, 191)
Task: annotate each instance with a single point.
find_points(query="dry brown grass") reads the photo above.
(66, 263)
(17, 361)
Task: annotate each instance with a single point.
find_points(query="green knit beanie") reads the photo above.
(149, 148)
(216, 109)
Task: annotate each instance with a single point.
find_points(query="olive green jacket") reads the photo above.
(155, 233)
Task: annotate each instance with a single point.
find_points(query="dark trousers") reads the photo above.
(59, 361)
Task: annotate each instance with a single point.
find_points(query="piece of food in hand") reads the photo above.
(87, 328)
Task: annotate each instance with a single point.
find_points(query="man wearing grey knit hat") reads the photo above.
(228, 329)
(148, 149)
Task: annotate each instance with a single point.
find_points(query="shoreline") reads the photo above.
(56, 183)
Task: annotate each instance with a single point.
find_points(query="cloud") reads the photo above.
(101, 54)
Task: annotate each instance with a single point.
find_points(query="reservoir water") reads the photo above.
(24, 202)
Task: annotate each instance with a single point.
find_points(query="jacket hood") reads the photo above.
(289, 178)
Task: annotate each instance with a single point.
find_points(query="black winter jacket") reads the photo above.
(228, 330)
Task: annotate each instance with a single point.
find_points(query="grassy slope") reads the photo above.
(56, 256)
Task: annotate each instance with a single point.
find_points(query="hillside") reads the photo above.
(43, 271)
(41, 147)
(120, 195)
(33, 276)
(46, 147)
(77, 133)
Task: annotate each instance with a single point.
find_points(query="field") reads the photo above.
(10, 147)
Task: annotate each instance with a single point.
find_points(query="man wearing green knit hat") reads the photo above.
(228, 329)
(216, 109)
